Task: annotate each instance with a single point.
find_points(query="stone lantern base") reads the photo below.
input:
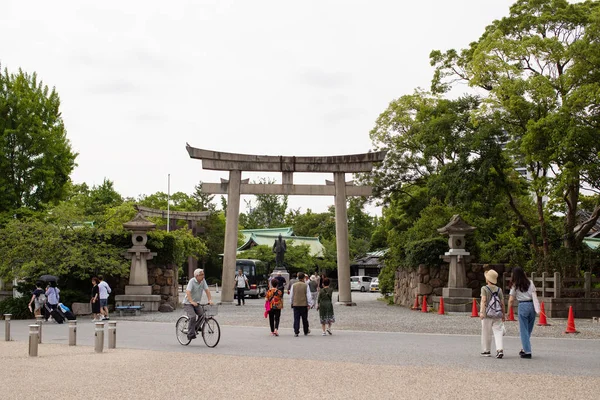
(456, 299)
(136, 295)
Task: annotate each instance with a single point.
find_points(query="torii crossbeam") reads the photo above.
(287, 165)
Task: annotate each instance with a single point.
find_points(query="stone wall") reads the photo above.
(430, 281)
(163, 280)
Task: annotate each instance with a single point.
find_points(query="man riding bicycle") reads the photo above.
(191, 303)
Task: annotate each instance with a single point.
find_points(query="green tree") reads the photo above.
(203, 201)
(269, 211)
(528, 64)
(36, 158)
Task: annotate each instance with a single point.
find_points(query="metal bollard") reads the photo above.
(99, 333)
(7, 327)
(34, 331)
(38, 320)
(112, 334)
(73, 333)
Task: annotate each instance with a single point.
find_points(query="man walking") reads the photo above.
(104, 290)
(191, 304)
(301, 301)
(241, 283)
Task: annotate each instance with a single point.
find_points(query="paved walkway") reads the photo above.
(353, 363)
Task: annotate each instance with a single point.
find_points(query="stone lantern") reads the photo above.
(457, 295)
(139, 292)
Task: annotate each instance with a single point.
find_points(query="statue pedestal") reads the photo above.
(137, 296)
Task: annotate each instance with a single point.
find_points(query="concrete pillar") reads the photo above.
(7, 327)
(231, 235)
(73, 333)
(38, 320)
(112, 334)
(557, 285)
(587, 284)
(341, 233)
(99, 337)
(33, 340)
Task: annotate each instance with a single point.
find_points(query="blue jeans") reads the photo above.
(526, 323)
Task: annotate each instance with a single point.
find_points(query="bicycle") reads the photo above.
(209, 327)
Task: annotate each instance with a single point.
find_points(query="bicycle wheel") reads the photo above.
(211, 332)
(181, 328)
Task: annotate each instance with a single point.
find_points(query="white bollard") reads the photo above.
(112, 334)
(38, 320)
(99, 334)
(33, 340)
(73, 333)
(7, 327)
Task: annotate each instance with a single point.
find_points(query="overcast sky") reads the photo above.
(139, 79)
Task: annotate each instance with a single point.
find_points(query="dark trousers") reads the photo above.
(240, 295)
(300, 312)
(274, 316)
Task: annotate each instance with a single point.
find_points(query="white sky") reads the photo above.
(139, 79)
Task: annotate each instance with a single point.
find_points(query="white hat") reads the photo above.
(491, 276)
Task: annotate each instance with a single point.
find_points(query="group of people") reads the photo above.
(40, 297)
(493, 314)
(304, 293)
(99, 299)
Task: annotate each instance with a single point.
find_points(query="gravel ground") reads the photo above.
(373, 314)
(79, 373)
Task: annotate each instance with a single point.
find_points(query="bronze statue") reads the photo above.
(279, 248)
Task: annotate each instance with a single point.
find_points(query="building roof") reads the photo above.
(371, 259)
(592, 243)
(584, 216)
(266, 237)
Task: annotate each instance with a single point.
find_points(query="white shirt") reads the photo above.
(241, 280)
(104, 290)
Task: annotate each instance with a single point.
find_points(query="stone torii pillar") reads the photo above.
(287, 165)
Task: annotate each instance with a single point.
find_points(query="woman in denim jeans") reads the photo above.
(523, 290)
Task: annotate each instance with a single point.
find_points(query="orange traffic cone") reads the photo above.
(424, 304)
(542, 321)
(441, 310)
(571, 322)
(511, 315)
(415, 306)
(474, 313)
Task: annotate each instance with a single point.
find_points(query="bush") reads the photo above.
(387, 279)
(425, 251)
(17, 306)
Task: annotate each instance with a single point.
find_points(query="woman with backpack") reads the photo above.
(38, 298)
(492, 315)
(523, 290)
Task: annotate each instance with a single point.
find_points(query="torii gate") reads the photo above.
(287, 165)
(191, 217)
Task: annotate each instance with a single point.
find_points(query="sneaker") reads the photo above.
(526, 355)
(237, 305)
(323, 334)
(295, 335)
(276, 333)
(105, 319)
(499, 354)
(329, 331)
(486, 354)
(521, 352)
